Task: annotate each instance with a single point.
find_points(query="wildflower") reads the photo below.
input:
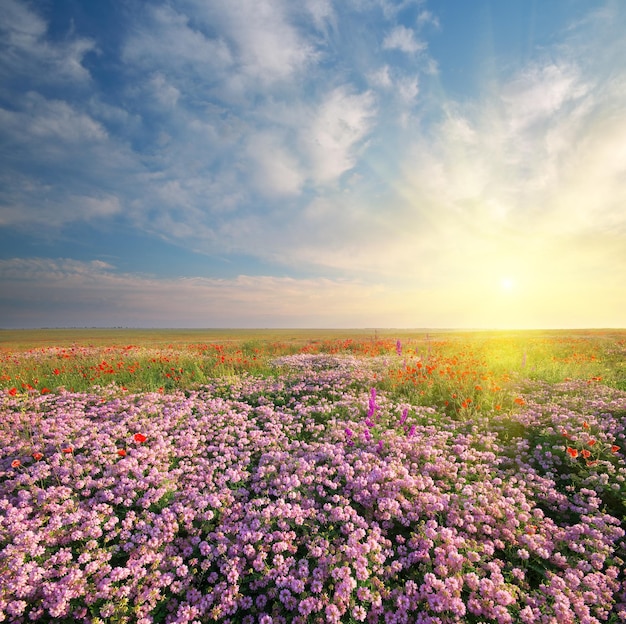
(399, 347)
(12, 391)
(37, 456)
(121, 452)
(585, 453)
(614, 448)
(372, 403)
(56, 371)
(572, 452)
(586, 425)
(591, 442)
(139, 437)
(68, 449)
(519, 401)
(16, 463)
(45, 390)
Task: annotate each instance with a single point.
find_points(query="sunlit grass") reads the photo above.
(454, 371)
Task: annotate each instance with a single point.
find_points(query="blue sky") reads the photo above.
(313, 163)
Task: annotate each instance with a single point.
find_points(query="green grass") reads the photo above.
(455, 371)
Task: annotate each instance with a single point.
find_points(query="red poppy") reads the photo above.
(519, 401)
(585, 453)
(572, 451)
(45, 390)
(68, 449)
(591, 442)
(592, 463)
(16, 463)
(614, 449)
(37, 456)
(586, 425)
(56, 371)
(12, 391)
(121, 452)
(140, 437)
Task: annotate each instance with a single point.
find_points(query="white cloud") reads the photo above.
(39, 205)
(391, 8)
(408, 88)
(381, 78)
(26, 52)
(403, 87)
(167, 41)
(165, 93)
(22, 27)
(322, 13)
(265, 48)
(338, 126)
(94, 207)
(428, 17)
(403, 39)
(54, 120)
(540, 92)
(276, 170)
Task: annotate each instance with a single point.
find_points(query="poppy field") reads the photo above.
(387, 478)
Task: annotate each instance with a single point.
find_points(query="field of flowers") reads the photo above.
(445, 478)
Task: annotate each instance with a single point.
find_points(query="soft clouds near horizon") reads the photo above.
(317, 164)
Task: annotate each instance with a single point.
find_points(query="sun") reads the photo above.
(507, 284)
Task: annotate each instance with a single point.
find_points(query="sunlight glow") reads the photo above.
(507, 284)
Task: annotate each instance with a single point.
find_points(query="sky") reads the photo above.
(313, 163)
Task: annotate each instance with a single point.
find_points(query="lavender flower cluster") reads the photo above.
(308, 497)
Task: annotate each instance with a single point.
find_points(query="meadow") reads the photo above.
(312, 476)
